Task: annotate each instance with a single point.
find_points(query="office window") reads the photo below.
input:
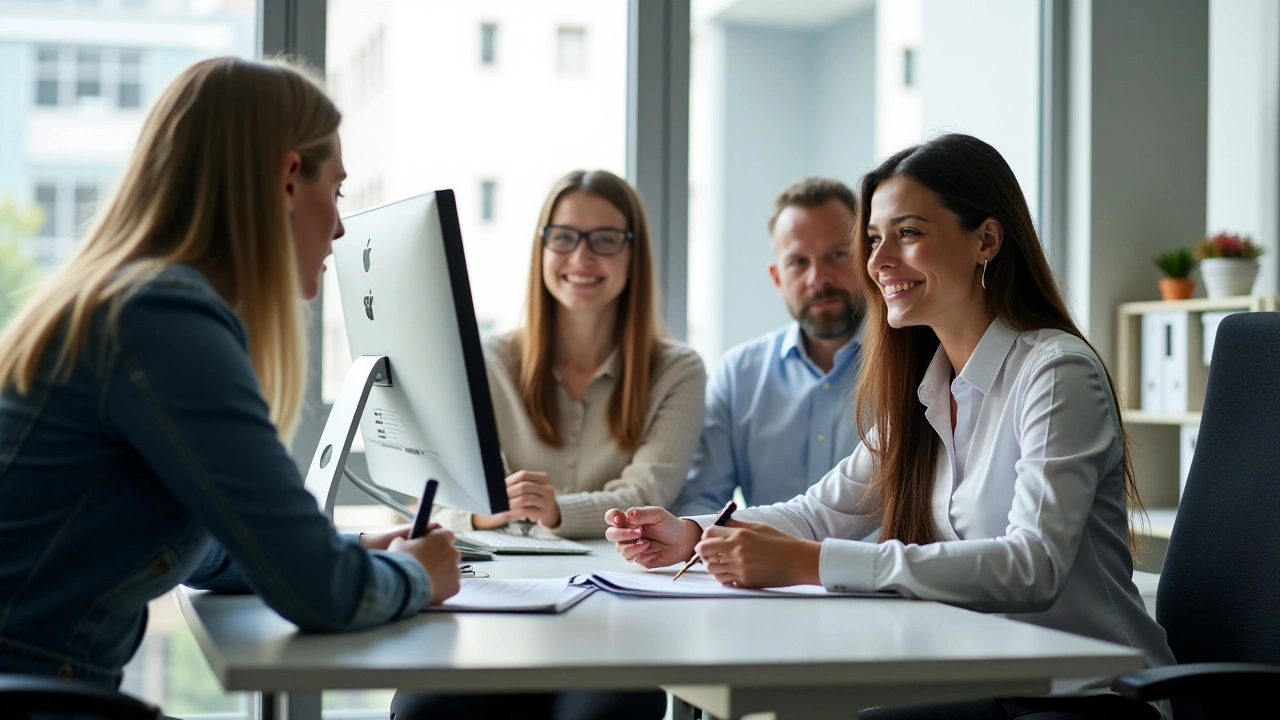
(88, 73)
(571, 50)
(86, 199)
(46, 197)
(69, 75)
(488, 193)
(129, 82)
(488, 43)
(445, 125)
(908, 67)
(47, 77)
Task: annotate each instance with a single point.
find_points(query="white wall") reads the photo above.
(979, 73)
(781, 103)
(1244, 127)
(1138, 142)
(845, 98)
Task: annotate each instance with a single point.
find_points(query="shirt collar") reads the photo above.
(980, 371)
(988, 357)
(611, 367)
(793, 344)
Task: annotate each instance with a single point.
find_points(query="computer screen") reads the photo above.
(405, 294)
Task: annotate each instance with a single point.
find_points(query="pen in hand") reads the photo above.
(421, 520)
(725, 513)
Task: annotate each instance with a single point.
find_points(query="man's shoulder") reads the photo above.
(757, 349)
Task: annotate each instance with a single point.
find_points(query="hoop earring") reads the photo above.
(984, 275)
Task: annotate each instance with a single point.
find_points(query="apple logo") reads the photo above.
(368, 304)
(367, 251)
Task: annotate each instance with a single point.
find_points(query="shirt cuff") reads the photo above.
(704, 521)
(580, 516)
(847, 565)
(451, 519)
(416, 580)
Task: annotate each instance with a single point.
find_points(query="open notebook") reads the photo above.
(698, 583)
(537, 595)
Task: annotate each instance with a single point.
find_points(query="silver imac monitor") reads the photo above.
(418, 383)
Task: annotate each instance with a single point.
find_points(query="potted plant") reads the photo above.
(1176, 266)
(1228, 264)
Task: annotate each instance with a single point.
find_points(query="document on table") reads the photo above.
(698, 583)
(535, 595)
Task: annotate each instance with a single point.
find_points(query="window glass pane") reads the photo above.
(86, 202)
(58, 158)
(488, 191)
(495, 134)
(830, 89)
(572, 45)
(47, 93)
(47, 61)
(488, 43)
(47, 201)
(88, 73)
(130, 95)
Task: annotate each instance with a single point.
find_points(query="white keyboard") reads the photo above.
(505, 543)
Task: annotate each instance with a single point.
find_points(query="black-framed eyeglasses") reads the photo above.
(564, 240)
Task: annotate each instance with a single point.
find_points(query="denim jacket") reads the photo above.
(154, 465)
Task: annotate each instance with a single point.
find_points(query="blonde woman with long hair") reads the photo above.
(595, 406)
(147, 388)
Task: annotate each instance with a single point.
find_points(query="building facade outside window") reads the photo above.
(77, 75)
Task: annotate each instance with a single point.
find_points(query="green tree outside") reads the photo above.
(19, 269)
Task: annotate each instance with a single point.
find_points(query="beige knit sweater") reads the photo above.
(590, 472)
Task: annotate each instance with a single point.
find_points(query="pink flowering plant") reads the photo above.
(1227, 245)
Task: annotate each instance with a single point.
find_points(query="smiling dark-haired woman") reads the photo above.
(995, 463)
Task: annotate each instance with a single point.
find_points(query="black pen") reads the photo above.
(725, 513)
(423, 517)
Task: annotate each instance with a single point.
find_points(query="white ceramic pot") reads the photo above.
(1228, 277)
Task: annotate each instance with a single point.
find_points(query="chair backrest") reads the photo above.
(1219, 593)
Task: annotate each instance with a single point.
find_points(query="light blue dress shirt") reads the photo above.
(775, 423)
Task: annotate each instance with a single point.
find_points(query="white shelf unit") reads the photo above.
(1155, 451)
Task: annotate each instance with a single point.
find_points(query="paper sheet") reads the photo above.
(512, 595)
(698, 583)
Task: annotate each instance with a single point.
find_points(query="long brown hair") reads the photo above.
(972, 180)
(639, 329)
(202, 189)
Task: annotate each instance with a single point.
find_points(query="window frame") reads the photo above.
(658, 36)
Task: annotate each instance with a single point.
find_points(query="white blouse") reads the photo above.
(1028, 501)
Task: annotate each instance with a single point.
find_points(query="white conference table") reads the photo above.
(811, 658)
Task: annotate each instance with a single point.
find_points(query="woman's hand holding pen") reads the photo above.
(650, 536)
(439, 558)
(755, 555)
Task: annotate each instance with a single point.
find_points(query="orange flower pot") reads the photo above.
(1177, 288)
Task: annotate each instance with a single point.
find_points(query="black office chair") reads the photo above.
(1219, 592)
(24, 696)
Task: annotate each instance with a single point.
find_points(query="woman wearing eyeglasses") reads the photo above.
(596, 408)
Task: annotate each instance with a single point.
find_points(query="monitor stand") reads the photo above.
(325, 471)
